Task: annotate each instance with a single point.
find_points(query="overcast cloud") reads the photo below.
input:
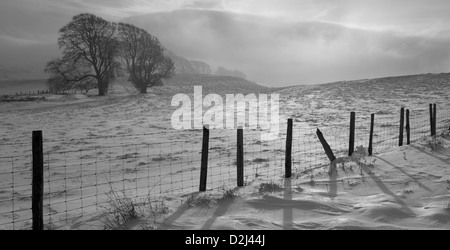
(275, 42)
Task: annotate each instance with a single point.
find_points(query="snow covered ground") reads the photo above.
(406, 188)
(126, 141)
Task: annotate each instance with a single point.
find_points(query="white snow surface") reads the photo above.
(397, 188)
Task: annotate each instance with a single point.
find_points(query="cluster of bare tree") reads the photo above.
(95, 51)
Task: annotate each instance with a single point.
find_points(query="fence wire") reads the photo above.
(80, 173)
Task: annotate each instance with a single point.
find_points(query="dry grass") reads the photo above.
(228, 195)
(122, 210)
(435, 143)
(271, 187)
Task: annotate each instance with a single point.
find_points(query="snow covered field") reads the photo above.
(126, 141)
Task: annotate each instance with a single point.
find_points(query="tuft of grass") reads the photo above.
(445, 134)
(198, 201)
(157, 211)
(271, 187)
(122, 210)
(208, 200)
(435, 143)
(228, 195)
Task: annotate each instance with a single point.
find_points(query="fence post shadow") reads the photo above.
(167, 223)
(287, 211)
(405, 173)
(332, 192)
(385, 189)
(222, 209)
(445, 161)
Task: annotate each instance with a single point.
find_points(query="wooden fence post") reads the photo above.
(372, 125)
(240, 157)
(288, 158)
(326, 146)
(204, 163)
(351, 143)
(408, 128)
(435, 119)
(431, 119)
(38, 181)
(402, 127)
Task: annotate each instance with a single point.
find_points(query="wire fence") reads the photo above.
(78, 176)
(37, 95)
(43, 92)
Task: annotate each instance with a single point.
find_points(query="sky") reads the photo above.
(275, 42)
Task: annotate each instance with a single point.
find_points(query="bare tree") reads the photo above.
(90, 41)
(143, 56)
(65, 75)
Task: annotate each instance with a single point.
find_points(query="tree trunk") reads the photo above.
(102, 88)
(101, 92)
(143, 90)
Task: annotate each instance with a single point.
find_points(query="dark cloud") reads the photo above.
(278, 52)
(276, 42)
(204, 4)
(29, 29)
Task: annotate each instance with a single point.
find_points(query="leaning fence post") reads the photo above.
(372, 125)
(408, 128)
(288, 158)
(435, 119)
(431, 119)
(402, 127)
(204, 164)
(38, 181)
(240, 157)
(351, 148)
(326, 146)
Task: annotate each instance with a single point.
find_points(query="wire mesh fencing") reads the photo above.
(79, 174)
(78, 182)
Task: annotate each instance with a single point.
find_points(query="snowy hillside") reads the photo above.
(126, 141)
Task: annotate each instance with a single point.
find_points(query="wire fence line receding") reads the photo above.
(78, 178)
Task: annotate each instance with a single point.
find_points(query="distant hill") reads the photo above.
(215, 84)
(413, 83)
(186, 66)
(221, 71)
(381, 96)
